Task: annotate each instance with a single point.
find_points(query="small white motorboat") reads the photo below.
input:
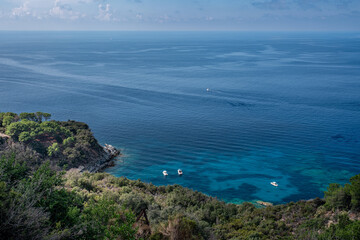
(208, 89)
(275, 184)
(180, 172)
(165, 173)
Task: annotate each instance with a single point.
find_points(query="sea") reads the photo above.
(234, 110)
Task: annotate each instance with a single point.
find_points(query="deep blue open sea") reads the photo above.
(281, 107)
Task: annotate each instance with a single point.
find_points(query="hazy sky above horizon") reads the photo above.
(257, 15)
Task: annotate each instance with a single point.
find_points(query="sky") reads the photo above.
(203, 15)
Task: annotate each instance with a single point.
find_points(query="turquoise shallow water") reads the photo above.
(281, 107)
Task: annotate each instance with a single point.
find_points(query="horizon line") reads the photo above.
(166, 30)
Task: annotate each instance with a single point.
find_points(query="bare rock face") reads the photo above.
(104, 160)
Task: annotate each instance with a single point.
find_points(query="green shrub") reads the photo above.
(180, 227)
(344, 230)
(7, 120)
(68, 141)
(337, 197)
(354, 190)
(11, 170)
(53, 149)
(107, 220)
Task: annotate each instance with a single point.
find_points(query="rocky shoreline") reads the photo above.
(104, 161)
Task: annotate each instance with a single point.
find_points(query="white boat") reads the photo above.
(180, 172)
(165, 173)
(275, 184)
(208, 89)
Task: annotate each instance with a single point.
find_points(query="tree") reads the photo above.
(39, 116)
(344, 230)
(7, 120)
(337, 197)
(354, 190)
(19, 218)
(68, 141)
(180, 227)
(25, 137)
(105, 219)
(27, 116)
(53, 149)
(2, 115)
(46, 116)
(16, 128)
(11, 171)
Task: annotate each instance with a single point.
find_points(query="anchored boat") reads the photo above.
(275, 184)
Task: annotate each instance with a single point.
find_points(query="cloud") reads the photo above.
(105, 13)
(179, 14)
(21, 11)
(316, 5)
(64, 11)
(139, 16)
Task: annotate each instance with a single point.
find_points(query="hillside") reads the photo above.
(39, 201)
(65, 144)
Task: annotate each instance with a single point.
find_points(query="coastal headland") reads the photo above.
(51, 188)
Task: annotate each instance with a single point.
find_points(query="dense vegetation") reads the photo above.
(68, 143)
(45, 204)
(39, 202)
(37, 206)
